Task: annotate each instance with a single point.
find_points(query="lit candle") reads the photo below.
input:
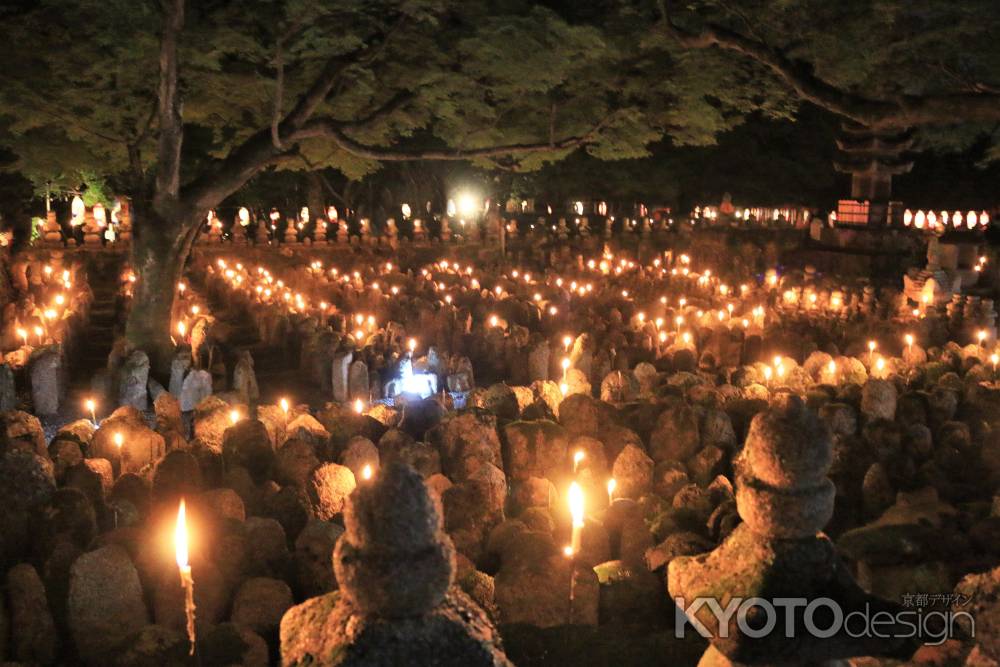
(567, 341)
(187, 582)
(565, 366)
(909, 342)
(38, 332)
(90, 405)
(871, 352)
(24, 335)
(412, 345)
(981, 335)
(359, 407)
(611, 490)
(563, 388)
(577, 457)
(234, 416)
(366, 472)
(576, 511)
(995, 358)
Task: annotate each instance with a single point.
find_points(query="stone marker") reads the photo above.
(785, 499)
(397, 604)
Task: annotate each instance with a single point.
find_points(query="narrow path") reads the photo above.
(94, 343)
(276, 367)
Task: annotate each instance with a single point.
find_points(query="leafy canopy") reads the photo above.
(78, 91)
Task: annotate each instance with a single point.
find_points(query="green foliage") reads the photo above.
(95, 190)
(79, 83)
(37, 224)
(476, 73)
(877, 49)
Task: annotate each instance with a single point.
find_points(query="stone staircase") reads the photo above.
(105, 323)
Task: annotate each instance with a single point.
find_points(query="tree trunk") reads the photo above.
(159, 251)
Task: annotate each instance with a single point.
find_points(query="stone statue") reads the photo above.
(397, 602)
(785, 499)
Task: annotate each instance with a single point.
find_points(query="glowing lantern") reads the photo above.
(100, 216)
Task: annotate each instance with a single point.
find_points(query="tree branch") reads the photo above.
(796, 75)
(260, 150)
(907, 111)
(279, 88)
(335, 132)
(279, 93)
(168, 176)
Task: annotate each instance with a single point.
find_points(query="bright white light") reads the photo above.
(467, 204)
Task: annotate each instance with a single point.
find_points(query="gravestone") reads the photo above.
(341, 366)
(46, 380)
(196, 387)
(132, 380)
(358, 383)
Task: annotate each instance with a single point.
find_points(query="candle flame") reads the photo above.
(359, 407)
(284, 405)
(366, 472)
(576, 503)
(234, 416)
(577, 457)
(119, 440)
(181, 537)
(612, 485)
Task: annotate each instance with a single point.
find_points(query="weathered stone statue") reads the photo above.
(785, 499)
(397, 603)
